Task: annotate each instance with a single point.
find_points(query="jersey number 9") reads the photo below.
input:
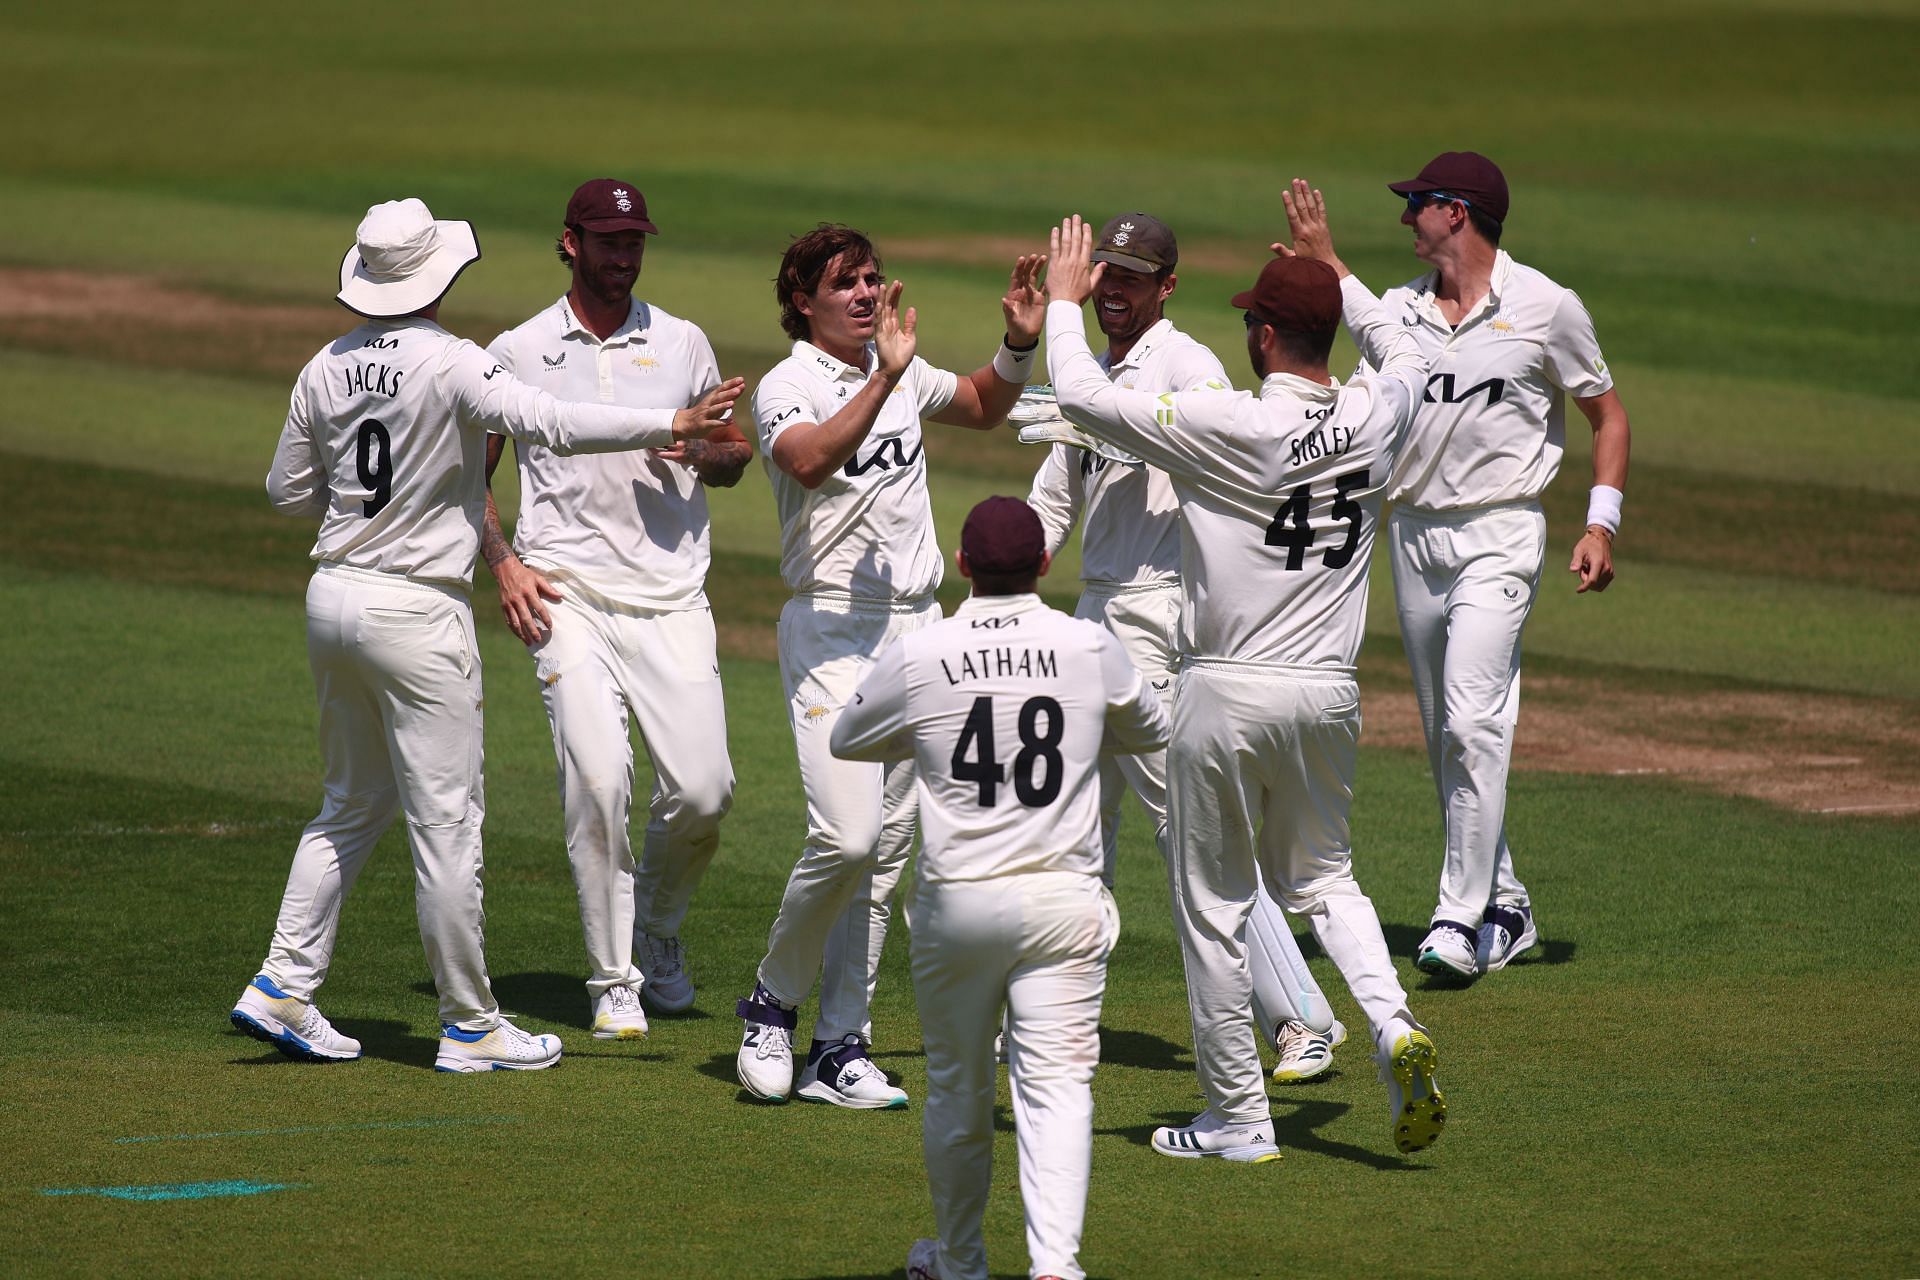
(373, 455)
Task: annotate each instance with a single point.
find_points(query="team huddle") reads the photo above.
(1209, 666)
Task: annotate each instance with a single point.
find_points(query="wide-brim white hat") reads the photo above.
(403, 261)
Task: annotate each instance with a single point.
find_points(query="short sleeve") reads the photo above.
(703, 367)
(932, 388)
(1574, 362)
(778, 403)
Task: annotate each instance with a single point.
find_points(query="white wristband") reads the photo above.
(1603, 507)
(1014, 366)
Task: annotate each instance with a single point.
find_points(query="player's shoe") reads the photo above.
(1304, 1052)
(923, 1260)
(1419, 1110)
(765, 1061)
(846, 1075)
(1505, 935)
(1209, 1135)
(1448, 952)
(290, 1024)
(503, 1047)
(668, 988)
(617, 1015)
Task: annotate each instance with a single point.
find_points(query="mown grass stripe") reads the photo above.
(439, 1122)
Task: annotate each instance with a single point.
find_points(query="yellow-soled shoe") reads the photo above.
(1419, 1110)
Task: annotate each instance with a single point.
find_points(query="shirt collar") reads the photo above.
(1143, 347)
(829, 367)
(1298, 388)
(639, 318)
(977, 606)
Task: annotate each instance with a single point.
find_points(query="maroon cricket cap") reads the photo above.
(608, 204)
(1301, 295)
(1003, 535)
(1466, 174)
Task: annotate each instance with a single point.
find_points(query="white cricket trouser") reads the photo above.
(1035, 946)
(1145, 620)
(600, 662)
(1464, 583)
(397, 674)
(1272, 747)
(861, 817)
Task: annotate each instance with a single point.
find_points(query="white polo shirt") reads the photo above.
(1004, 708)
(385, 441)
(628, 527)
(1131, 535)
(1492, 422)
(867, 531)
(1280, 492)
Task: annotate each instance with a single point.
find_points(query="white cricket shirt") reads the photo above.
(1004, 708)
(1279, 492)
(629, 527)
(867, 531)
(1132, 532)
(1492, 421)
(385, 440)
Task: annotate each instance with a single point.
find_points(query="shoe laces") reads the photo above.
(774, 1041)
(663, 955)
(622, 1000)
(1293, 1038)
(851, 1061)
(314, 1025)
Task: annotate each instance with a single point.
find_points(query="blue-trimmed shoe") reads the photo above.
(502, 1047)
(1448, 951)
(290, 1024)
(846, 1075)
(1505, 935)
(765, 1061)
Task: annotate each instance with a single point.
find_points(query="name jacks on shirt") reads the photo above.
(987, 664)
(375, 379)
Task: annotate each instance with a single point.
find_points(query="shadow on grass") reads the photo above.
(384, 1038)
(720, 1066)
(1143, 1050)
(1293, 1128)
(550, 997)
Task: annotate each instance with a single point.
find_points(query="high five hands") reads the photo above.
(1307, 227)
(1073, 273)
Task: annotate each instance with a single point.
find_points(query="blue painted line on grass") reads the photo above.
(442, 1122)
(178, 1190)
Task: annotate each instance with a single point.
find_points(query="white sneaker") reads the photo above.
(923, 1260)
(668, 988)
(1209, 1135)
(1304, 1052)
(503, 1048)
(1448, 952)
(290, 1024)
(1506, 934)
(847, 1076)
(765, 1061)
(617, 1015)
(1419, 1111)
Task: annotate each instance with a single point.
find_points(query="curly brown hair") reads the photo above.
(807, 260)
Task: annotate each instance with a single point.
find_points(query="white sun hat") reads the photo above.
(402, 260)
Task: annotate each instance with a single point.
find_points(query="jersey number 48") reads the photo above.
(1036, 766)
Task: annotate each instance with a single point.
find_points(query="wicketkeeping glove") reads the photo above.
(1037, 415)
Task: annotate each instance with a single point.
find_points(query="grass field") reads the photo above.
(1707, 1069)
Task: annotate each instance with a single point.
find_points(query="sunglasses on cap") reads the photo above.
(1418, 200)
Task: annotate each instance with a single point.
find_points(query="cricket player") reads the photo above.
(1279, 494)
(606, 586)
(839, 424)
(384, 443)
(1005, 709)
(1467, 539)
(1130, 571)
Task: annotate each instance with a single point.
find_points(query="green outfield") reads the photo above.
(1705, 1070)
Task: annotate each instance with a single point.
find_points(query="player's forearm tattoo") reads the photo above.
(494, 546)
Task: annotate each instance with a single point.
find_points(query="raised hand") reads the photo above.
(710, 412)
(1307, 226)
(893, 337)
(1074, 274)
(1024, 305)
